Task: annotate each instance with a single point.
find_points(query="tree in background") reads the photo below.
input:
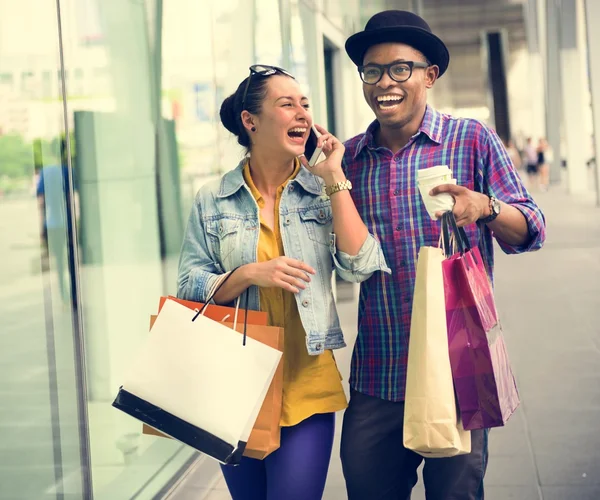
(21, 159)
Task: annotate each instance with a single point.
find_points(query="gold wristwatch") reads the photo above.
(338, 186)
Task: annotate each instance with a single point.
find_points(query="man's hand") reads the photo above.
(469, 206)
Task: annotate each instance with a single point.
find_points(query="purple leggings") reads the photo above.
(296, 471)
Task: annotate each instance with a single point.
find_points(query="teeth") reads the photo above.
(299, 130)
(386, 98)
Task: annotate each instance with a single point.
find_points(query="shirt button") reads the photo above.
(319, 347)
(321, 214)
(399, 227)
(403, 263)
(397, 159)
(305, 303)
(287, 222)
(406, 300)
(291, 188)
(396, 192)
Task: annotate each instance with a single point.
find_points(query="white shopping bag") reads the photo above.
(195, 380)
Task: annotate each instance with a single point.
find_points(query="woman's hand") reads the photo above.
(281, 272)
(330, 169)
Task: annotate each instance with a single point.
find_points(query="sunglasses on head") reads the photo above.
(262, 70)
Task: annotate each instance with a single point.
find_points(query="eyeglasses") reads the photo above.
(398, 71)
(262, 70)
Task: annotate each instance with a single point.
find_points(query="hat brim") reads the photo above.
(430, 45)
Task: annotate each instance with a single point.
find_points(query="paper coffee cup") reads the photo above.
(440, 203)
(439, 174)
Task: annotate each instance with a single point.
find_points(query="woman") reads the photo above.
(270, 220)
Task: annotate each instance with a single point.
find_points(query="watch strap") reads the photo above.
(493, 213)
(338, 186)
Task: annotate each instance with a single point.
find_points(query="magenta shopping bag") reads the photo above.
(483, 380)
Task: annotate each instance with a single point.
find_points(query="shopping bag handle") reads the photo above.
(212, 296)
(459, 233)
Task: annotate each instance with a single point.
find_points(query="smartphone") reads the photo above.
(311, 151)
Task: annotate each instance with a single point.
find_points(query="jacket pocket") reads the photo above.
(318, 223)
(223, 236)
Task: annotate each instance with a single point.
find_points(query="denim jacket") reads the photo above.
(222, 234)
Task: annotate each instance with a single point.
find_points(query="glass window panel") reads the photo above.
(39, 420)
(115, 118)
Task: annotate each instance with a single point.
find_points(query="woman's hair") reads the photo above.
(231, 109)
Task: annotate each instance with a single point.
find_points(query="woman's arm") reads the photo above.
(350, 231)
(282, 272)
(199, 274)
(356, 253)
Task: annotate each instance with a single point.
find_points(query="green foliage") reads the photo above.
(16, 157)
(20, 158)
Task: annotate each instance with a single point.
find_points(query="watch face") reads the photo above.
(496, 207)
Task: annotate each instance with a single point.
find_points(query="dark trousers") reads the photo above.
(378, 467)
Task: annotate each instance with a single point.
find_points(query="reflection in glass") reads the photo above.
(40, 454)
(123, 177)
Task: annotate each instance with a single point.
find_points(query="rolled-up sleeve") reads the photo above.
(198, 275)
(501, 180)
(359, 267)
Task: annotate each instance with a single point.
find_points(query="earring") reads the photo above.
(253, 129)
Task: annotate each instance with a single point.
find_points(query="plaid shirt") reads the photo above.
(387, 197)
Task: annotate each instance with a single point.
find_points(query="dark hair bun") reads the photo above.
(229, 117)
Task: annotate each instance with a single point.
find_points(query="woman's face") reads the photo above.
(283, 125)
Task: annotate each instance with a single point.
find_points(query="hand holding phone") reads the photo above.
(311, 151)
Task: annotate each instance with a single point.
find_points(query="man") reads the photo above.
(399, 60)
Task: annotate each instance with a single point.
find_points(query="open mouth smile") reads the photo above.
(297, 134)
(389, 102)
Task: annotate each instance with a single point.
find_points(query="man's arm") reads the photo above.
(510, 226)
(520, 226)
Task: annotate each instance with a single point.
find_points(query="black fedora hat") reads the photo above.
(402, 27)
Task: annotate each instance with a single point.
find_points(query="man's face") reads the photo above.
(397, 104)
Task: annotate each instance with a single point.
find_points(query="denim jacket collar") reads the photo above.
(234, 180)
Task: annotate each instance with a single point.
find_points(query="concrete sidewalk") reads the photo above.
(550, 306)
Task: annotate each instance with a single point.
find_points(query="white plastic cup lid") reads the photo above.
(433, 171)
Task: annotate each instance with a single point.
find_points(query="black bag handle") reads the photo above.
(462, 242)
(209, 299)
(460, 235)
(445, 237)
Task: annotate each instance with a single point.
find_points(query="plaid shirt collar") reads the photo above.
(431, 126)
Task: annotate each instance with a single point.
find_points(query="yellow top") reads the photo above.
(311, 384)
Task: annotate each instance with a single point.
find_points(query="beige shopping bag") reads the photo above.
(432, 426)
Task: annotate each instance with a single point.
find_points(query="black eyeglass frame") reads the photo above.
(387, 67)
(262, 70)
